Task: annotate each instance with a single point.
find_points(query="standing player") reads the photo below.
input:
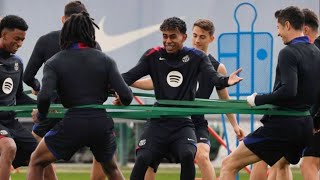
(46, 46)
(173, 70)
(202, 36)
(310, 164)
(80, 126)
(16, 142)
(274, 142)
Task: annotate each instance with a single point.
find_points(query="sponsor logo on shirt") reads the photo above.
(174, 79)
(186, 58)
(142, 142)
(3, 132)
(7, 86)
(16, 66)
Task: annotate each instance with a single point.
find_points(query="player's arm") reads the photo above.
(216, 78)
(224, 94)
(21, 97)
(144, 84)
(124, 93)
(140, 70)
(288, 88)
(35, 62)
(49, 84)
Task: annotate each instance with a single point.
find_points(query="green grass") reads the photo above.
(163, 174)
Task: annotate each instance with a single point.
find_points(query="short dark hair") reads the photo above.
(13, 22)
(291, 14)
(205, 24)
(311, 19)
(78, 28)
(74, 7)
(174, 23)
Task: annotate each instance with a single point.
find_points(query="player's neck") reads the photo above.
(205, 51)
(295, 34)
(313, 36)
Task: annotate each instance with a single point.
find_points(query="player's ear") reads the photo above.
(63, 19)
(184, 37)
(212, 38)
(305, 30)
(287, 25)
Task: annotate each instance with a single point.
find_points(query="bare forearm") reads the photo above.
(144, 84)
(223, 94)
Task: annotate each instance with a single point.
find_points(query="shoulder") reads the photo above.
(153, 51)
(50, 35)
(317, 42)
(288, 50)
(194, 51)
(17, 58)
(216, 64)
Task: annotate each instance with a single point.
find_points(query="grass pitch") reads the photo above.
(78, 172)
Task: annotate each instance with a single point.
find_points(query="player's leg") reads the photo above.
(281, 170)
(40, 158)
(310, 167)
(97, 172)
(310, 164)
(38, 131)
(184, 149)
(150, 174)
(203, 149)
(259, 171)
(7, 154)
(237, 160)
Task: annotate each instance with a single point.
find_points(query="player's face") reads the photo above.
(201, 38)
(282, 32)
(173, 40)
(12, 40)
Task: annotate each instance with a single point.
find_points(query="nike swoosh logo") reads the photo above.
(112, 42)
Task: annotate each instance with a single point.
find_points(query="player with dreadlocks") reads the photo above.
(45, 47)
(80, 126)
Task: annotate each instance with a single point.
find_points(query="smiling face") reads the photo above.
(173, 40)
(283, 32)
(11, 40)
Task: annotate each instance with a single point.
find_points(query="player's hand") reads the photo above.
(251, 99)
(234, 78)
(34, 115)
(117, 101)
(34, 92)
(239, 133)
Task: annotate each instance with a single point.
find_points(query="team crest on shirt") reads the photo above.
(174, 78)
(7, 86)
(186, 58)
(3, 132)
(16, 66)
(142, 142)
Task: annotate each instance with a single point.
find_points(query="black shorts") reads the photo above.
(23, 138)
(164, 138)
(314, 148)
(80, 128)
(44, 126)
(202, 132)
(280, 136)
